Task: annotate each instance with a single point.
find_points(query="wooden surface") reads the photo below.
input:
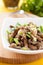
(7, 56)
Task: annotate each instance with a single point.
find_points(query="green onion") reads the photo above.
(8, 32)
(40, 29)
(28, 34)
(25, 24)
(11, 40)
(16, 40)
(21, 33)
(18, 24)
(24, 48)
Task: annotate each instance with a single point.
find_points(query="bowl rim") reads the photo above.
(17, 50)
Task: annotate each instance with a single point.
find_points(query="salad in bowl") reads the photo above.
(23, 35)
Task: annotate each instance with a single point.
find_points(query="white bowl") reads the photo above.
(12, 21)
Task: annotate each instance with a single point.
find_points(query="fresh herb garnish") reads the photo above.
(11, 39)
(28, 34)
(18, 24)
(16, 40)
(40, 29)
(24, 48)
(8, 32)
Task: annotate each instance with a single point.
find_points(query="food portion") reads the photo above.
(26, 37)
(33, 6)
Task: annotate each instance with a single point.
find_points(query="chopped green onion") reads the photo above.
(28, 34)
(21, 33)
(11, 40)
(24, 48)
(16, 40)
(40, 29)
(18, 24)
(8, 32)
(25, 24)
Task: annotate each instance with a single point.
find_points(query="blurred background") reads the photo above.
(1, 3)
(6, 6)
(31, 6)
